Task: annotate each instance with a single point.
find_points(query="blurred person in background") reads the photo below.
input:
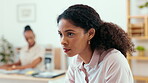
(31, 55)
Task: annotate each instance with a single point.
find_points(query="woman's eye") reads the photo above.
(70, 34)
(60, 34)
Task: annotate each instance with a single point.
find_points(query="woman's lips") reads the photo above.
(66, 50)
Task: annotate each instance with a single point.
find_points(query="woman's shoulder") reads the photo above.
(39, 47)
(24, 48)
(115, 57)
(114, 54)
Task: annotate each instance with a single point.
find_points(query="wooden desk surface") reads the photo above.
(28, 78)
(23, 77)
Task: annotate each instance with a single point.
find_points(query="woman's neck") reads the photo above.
(30, 46)
(86, 55)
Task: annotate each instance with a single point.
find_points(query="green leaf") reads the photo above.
(140, 48)
(144, 5)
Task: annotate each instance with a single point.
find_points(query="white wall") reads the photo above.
(1, 17)
(45, 25)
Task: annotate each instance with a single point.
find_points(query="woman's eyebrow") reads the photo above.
(59, 31)
(69, 30)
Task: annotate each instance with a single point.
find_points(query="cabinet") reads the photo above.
(137, 29)
(49, 59)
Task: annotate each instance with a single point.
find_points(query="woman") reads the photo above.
(99, 47)
(31, 56)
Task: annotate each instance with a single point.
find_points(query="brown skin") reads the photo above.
(30, 38)
(74, 40)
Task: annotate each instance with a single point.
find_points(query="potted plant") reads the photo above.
(6, 51)
(140, 50)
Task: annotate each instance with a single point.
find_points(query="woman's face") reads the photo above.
(30, 38)
(74, 40)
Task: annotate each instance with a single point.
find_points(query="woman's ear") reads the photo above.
(91, 33)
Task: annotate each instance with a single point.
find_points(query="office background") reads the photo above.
(43, 21)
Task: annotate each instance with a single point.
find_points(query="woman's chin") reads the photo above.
(69, 55)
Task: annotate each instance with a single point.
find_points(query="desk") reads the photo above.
(15, 78)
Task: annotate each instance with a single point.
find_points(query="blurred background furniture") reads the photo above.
(137, 28)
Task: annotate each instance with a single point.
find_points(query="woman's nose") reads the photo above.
(63, 41)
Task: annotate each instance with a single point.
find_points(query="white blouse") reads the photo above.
(29, 55)
(109, 67)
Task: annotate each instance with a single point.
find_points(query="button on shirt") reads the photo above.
(27, 56)
(104, 67)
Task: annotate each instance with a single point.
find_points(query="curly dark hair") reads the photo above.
(107, 35)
